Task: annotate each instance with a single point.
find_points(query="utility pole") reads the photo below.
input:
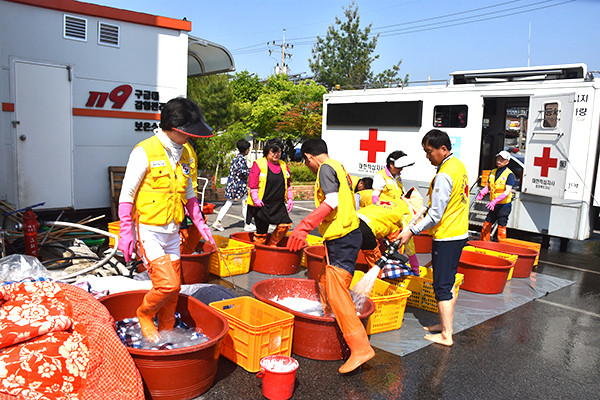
(282, 68)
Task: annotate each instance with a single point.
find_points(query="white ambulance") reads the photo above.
(546, 117)
(80, 85)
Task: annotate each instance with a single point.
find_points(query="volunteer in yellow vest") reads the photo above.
(499, 186)
(385, 219)
(448, 222)
(189, 234)
(335, 215)
(388, 182)
(363, 192)
(271, 198)
(156, 187)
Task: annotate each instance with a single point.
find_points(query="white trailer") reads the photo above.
(547, 117)
(80, 85)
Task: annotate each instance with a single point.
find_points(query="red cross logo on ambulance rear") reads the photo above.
(372, 146)
(546, 162)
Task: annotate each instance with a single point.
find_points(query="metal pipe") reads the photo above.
(71, 277)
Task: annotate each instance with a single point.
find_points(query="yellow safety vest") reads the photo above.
(498, 186)
(455, 220)
(387, 217)
(262, 178)
(161, 195)
(193, 166)
(392, 188)
(366, 198)
(343, 219)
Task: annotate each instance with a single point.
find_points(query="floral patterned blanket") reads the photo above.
(58, 342)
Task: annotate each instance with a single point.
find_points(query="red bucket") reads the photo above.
(272, 260)
(423, 243)
(525, 260)
(279, 375)
(194, 267)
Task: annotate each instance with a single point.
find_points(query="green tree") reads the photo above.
(246, 87)
(345, 55)
(216, 98)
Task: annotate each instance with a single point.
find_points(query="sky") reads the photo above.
(433, 38)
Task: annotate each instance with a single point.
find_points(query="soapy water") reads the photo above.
(314, 307)
(280, 365)
(130, 334)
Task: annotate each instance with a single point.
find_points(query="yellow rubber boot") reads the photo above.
(279, 233)
(338, 294)
(486, 231)
(165, 282)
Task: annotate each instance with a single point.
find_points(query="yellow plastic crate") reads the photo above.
(421, 287)
(113, 227)
(237, 257)
(390, 303)
(528, 245)
(510, 257)
(256, 330)
(311, 240)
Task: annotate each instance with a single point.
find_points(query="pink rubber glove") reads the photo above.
(257, 202)
(193, 209)
(414, 263)
(375, 199)
(492, 204)
(482, 193)
(296, 240)
(290, 197)
(126, 241)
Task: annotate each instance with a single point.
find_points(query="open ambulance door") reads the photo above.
(548, 139)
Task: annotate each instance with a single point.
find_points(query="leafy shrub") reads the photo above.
(300, 173)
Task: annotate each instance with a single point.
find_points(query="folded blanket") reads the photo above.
(44, 353)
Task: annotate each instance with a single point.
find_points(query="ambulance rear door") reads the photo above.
(547, 149)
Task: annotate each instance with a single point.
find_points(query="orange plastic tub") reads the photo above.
(524, 263)
(273, 260)
(483, 273)
(317, 338)
(176, 374)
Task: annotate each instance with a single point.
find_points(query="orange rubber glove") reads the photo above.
(297, 239)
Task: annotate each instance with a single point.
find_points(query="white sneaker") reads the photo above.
(218, 226)
(250, 228)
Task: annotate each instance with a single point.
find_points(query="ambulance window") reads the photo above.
(450, 116)
(389, 113)
(550, 115)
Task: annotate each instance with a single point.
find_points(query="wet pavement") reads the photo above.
(546, 348)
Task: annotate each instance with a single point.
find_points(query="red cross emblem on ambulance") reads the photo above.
(545, 162)
(372, 146)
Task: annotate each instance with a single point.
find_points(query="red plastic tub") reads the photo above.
(194, 267)
(317, 338)
(273, 260)
(483, 273)
(315, 256)
(176, 374)
(525, 260)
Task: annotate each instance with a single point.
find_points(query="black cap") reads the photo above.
(199, 129)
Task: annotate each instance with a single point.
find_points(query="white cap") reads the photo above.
(404, 161)
(504, 154)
